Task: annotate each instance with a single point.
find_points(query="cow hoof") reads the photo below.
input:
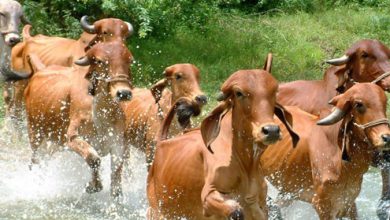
(236, 215)
(94, 187)
(383, 209)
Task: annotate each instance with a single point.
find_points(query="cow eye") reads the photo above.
(178, 76)
(360, 107)
(239, 94)
(364, 54)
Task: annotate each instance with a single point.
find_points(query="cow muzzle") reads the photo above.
(268, 134)
(11, 39)
(201, 99)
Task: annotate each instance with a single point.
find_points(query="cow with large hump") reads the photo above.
(148, 107)
(326, 168)
(57, 51)
(61, 111)
(213, 172)
(364, 61)
(11, 15)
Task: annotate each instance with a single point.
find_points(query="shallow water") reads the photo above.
(55, 189)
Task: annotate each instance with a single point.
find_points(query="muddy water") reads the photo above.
(55, 189)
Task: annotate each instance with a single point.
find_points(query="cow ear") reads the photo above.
(287, 120)
(211, 125)
(157, 89)
(342, 77)
(268, 63)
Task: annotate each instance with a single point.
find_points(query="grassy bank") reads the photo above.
(300, 43)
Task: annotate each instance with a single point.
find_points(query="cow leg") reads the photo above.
(149, 154)
(352, 212)
(118, 154)
(218, 204)
(87, 152)
(383, 209)
(36, 139)
(322, 201)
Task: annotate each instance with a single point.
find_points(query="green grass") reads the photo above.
(300, 42)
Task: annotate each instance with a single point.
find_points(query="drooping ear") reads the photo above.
(157, 89)
(341, 73)
(211, 125)
(268, 63)
(287, 120)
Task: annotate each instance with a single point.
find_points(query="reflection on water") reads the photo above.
(55, 189)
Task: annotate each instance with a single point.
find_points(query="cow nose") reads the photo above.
(201, 99)
(124, 95)
(14, 40)
(271, 130)
(386, 138)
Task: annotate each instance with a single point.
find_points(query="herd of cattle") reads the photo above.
(326, 133)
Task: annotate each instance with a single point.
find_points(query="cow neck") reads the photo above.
(243, 144)
(5, 54)
(105, 107)
(164, 104)
(354, 140)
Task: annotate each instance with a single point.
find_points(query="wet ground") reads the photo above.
(55, 189)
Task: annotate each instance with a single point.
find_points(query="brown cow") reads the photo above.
(59, 108)
(146, 110)
(218, 177)
(364, 61)
(56, 51)
(327, 166)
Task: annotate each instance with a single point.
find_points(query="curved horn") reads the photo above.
(83, 61)
(130, 27)
(87, 27)
(332, 118)
(338, 61)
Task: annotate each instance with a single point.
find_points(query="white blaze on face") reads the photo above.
(11, 39)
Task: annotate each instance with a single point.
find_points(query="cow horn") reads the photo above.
(83, 61)
(338, 61)
(221, 96)
(130, 27)
(87, 27)
(332, 118)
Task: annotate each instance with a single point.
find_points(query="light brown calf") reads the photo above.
(327, 166)
(219, 176)
(60, 110)
(148, 107)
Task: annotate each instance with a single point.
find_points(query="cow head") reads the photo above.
(107, 30)
(365, 61)
(109, 71)
(250, 95)
(183, 81)
(362, 106)
(11, 14)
